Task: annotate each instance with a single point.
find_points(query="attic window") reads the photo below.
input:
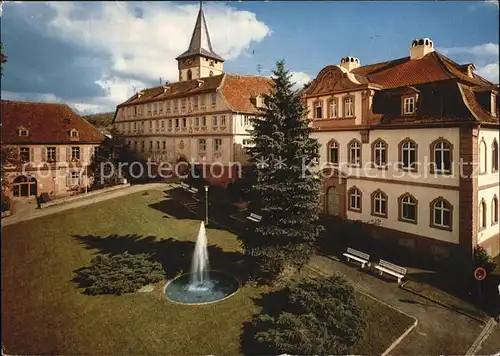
(73, 133)
(166, 89)
(211, 73)
(408, 105)
(22, 132)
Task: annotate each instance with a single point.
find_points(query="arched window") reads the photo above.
(379, 203)
(189, 74)
(333, 152)
(354, 195)
(494, 210)
(408, 154)
(483, 162)
(408, 207)
(441, 151)
(354, 152)
(441, 214)
(379, 153)
(482, 215)
(494, 156)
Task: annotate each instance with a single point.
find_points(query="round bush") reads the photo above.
(318, 317)
(119, 274)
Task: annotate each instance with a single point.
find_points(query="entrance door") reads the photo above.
(24, 186)
(333, 201)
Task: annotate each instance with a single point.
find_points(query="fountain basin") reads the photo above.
(219, 286)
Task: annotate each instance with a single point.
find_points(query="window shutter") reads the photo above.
(57, 154)
(32, 154)
(44, 154)
(68, 179)
(68, 153)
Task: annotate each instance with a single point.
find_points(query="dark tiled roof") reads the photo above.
(475, 108)
(46, 122)
(200, 41)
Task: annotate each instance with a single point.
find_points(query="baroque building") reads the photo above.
(51, 147)
(202, 119)
(412, 142)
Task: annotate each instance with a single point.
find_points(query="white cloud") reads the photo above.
(146, 46)
(490, 72)
(485, 56)
(483, 50)
(300, 78)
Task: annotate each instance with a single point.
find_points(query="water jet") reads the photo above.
(201, 285)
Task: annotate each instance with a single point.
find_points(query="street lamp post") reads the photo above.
(206, 205)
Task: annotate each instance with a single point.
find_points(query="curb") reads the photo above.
(476, 345)
(444, 305)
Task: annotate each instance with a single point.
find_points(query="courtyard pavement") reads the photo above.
(27, 210)
(439, 329)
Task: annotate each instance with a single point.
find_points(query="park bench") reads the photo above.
(356, 255)
(192, 190)
(254, 217)
(184, 186)
(392, 269)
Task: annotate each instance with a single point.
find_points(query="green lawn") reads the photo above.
(44, 312)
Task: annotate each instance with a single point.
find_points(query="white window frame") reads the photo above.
(409, 105)
(443, 209)
(356, 194)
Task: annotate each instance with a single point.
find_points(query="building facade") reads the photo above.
(412, 143)
(50, 147)
(202, 120)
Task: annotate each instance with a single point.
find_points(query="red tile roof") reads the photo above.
(237, 90)
(46, 122)
(479, 113)
(405, 71)
(176, 90)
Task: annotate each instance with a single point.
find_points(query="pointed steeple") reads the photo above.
(200, 40)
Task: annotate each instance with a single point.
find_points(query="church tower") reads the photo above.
(199, 60)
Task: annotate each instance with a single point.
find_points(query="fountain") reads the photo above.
(201, 285)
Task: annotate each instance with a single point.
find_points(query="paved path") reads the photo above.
(27, 214)
(439, 330)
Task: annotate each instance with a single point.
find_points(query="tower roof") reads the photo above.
(200, 40)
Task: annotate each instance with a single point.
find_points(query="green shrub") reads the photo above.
(482, 258)
(319, 317)
(118, 274)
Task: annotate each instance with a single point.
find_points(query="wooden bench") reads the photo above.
(392, 269)
(184, 185)
(356, 255)
(254, 217)
(192, 190)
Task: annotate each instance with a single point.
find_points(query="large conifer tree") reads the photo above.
(286, 192)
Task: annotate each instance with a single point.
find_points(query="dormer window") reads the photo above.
(22, 132)
(409, 105)
(73, 133)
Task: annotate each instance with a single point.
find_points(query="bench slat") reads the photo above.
(393, 267)
(358, 253)
(391, 272)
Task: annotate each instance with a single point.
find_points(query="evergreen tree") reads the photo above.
(286, 193)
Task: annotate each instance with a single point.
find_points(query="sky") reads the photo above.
(94, 55)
